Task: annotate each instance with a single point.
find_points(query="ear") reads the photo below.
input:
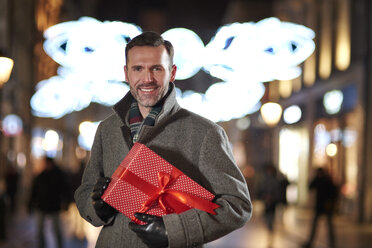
(126, 73)
(173, 73)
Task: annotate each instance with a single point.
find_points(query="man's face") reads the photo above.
(148, 73)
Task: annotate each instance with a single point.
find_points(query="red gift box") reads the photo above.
(145, 182)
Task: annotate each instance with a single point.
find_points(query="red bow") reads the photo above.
(170, 200)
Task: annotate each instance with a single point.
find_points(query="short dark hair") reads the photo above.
(150, 38)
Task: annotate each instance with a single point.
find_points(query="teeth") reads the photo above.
(147, 90)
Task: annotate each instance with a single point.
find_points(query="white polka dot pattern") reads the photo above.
(146, 164)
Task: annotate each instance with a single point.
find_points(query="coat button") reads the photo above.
(195, 244)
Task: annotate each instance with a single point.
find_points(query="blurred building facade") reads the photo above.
(342, 61)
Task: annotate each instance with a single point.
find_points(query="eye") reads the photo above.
(88, 49)
(269, 50)
(294, 46)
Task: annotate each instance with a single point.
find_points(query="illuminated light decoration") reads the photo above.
(221, 96)
(6, 67)
(285, 88)
(108, 93)
(326, 40)
(192, 101)
(350, 137)
(51, 140)
(12, 125)
(290, 152)
(243, 123)
(343, 37)
(37, 150)
(21, 160)
(231, 100)
(188, 51)
(332, 101)
(51, 143)
(87, 132)
(292, 114)
(58, 96)
(321, 139)
(309, 74)
(292, 159)
(91, 56)
(296, 84)
(271, 113)
(11, 155)
(331, 150)
(336, 134)
(266, 50)
(101, 90)
(90, 47)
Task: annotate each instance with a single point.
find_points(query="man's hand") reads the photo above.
(153, 234)
(103, 210)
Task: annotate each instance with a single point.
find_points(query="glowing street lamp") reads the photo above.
(271, 113)
(6, 67)
(331, 150)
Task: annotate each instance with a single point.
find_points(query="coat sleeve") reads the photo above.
(92, 172)
(216, 163)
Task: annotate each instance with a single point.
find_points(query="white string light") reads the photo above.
(242, 55)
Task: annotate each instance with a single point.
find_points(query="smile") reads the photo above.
(147, 90)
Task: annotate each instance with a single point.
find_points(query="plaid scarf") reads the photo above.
(136, 120)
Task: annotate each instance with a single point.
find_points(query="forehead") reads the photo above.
(147, 54)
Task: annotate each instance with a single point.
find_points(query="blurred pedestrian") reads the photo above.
(283, 184)
(3, 210)
(282, 199)
(269, 193)
(326, 197)
(76, 224)
(49, 195)
(12, 178)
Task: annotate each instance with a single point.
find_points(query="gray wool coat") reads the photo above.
(196, 146)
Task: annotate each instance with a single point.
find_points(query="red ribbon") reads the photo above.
(170, 200)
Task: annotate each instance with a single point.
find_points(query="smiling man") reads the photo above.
(148, 71)
(150, 114)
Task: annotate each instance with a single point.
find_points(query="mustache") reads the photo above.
(146, 85)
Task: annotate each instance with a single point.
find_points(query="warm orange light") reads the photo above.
(310, 71)
(325, 55)
(271, 113)
(331, 149)
(6, 67)
(342, 58)
(285, 88)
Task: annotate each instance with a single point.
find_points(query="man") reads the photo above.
(50, 194)
(326, 197)
(149, 114)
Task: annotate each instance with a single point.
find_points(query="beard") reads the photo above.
(149, 100)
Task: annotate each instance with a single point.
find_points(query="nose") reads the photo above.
(147, 77)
